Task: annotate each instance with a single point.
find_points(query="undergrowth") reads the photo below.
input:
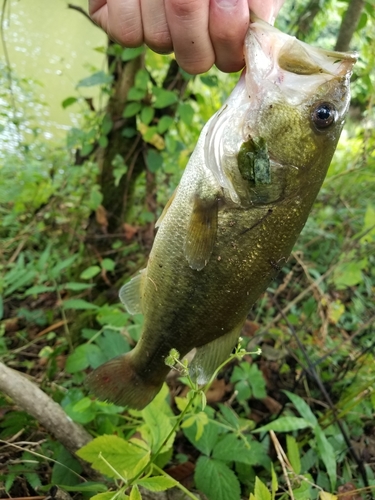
(296, 421)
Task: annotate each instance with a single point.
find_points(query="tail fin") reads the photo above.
(117, 381)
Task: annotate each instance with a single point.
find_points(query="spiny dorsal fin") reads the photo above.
(131, 293)
(165, 209)
(201, 232)
(209, 356)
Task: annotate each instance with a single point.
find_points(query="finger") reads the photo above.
(266, 9)
(188, 24)
(99, 12)
(155, 28)
(229, 20)
(125, 22)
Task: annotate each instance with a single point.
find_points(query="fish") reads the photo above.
(233, 220)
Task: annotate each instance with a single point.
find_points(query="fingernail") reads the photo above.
(227, 4)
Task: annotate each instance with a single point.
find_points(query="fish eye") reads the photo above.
(323, 115)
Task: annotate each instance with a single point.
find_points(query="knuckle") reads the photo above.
(159, 41)
(185, 8)
(195, 66)
(129, 36)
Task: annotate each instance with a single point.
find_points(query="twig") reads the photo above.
(81, 11)
(283, 460)
(297, 299)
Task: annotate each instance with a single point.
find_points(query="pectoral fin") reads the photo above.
(131, 293)
(209, 356)
(201, 232)
(165, 209)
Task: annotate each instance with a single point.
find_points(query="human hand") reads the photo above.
(200, 32)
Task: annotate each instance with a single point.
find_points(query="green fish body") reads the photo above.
(242, 202)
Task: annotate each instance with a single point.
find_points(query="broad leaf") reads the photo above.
(216, 480)
(157, 483)
(114, 456)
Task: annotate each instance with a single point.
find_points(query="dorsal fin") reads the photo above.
(131, 294)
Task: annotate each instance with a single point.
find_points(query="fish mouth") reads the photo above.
(283, 60)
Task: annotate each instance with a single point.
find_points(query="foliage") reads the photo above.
(297, 421)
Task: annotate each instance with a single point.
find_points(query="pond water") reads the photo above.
(53, 44)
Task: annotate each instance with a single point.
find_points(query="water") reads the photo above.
(55, 45)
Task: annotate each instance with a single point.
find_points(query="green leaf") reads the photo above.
(154, 160)
(64, 264)
(186, 112)
(208, 438)
(147, 114)
(234, 449)
(68, 102)
(1, 307)
(135, 94)
(112, 343)
(135, 494)
(89, 486)
(95, 199)
(103, 141)
(141, 79)
(108, 264)
(216, 480)
(90, 272)
(65, 469)
(229, 416)
(157, 428)
(209, 80)
(35, 290)
(98, 78)
(109, 495)
(261, 492)
(132, 109)
(293, 453)
(129, 54)
(79, 359)
(164, 98)
(157, 483)
(129, 132)
(106, 125)
(123, 456)
(285, 424)
(76, 287)
(303, 408)
(78, 304)
(231, 448)
(327, 455)
(274, 483)
(164, 124)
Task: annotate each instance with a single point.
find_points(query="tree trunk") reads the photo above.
(349, 24)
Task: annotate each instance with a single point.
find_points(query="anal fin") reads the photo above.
(131, 293)
(201, 232)
(209, 356)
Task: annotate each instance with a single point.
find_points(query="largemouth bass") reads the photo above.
(242, 201)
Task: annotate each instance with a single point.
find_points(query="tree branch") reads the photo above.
(50, 414)
(349, 24)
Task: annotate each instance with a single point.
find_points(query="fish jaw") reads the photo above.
(278, 62)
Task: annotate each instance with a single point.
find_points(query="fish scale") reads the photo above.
(242, 202)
